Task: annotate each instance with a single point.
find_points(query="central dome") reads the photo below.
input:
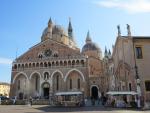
(90, 47)
(57, 29)
(59, 34)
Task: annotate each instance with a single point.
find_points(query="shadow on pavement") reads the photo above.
(78, 109)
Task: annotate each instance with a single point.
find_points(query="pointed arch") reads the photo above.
(76, 71)
(56, 72)
(20, 73)
(35, 72)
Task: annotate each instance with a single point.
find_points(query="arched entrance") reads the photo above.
(46, 88)
(35, 84)
(57, 83)
(94, 92)
(20, 83)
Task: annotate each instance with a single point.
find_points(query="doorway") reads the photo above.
(46, 88)
(46, 93)
(94, 92)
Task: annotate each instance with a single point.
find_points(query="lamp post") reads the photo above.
(138, 88)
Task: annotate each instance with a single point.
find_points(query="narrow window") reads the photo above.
(57, 84)
(139, 53)
(78, 83)
(36, 83)
(70, 83)
(130, 88)
(18, 84)
(147, 85)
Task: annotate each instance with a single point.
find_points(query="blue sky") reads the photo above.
(23, 21)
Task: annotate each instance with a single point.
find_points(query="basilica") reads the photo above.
(57, 64)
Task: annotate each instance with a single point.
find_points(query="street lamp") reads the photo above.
(138, 88)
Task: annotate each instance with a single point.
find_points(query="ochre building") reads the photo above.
(4, 89)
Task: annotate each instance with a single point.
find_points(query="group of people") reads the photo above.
(29, 100)
(102, 100)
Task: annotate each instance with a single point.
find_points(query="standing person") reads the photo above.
(0, 101)
(14, 100)
(99, 98)
(30, 100)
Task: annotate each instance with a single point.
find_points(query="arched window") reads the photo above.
(15, 66)
(53, 63)
(29, 65)
(82, 62)
(22, 66)
(41, 64)
(77, 62)
(69, 62)
(57, 63)
(49, 64)
(40, 56)
(73, 62)
(33, 64)
(61, 63)
(65, 63)
(37, 64)
(78, 83)
(36, 83)
(26, 65)
(45, 64)
(70, 83)
(57, 82)
(55, 55)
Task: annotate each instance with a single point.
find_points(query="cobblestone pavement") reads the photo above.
(47, 109)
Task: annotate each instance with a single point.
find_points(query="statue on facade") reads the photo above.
(128, 30)
(119, 31)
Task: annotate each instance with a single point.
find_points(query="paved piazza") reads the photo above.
(47, 109)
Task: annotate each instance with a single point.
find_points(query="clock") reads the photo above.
(48, 53)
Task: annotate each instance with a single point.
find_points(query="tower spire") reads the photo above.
(70, 30)
(50, 22)
(106, 52)
(88, 38)
(49, 30)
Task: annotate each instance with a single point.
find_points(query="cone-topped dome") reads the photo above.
(90, 46)
(58, 33)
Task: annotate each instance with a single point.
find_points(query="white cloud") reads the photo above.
(5, 61)
(131, 6)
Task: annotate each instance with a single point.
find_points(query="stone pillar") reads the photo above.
(28, 89)
(40, 88)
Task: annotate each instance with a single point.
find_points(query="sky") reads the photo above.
(23, 21)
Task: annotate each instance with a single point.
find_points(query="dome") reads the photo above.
(90, 47)
(57, 29)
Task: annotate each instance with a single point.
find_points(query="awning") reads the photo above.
(69, 93)
(121, 93)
